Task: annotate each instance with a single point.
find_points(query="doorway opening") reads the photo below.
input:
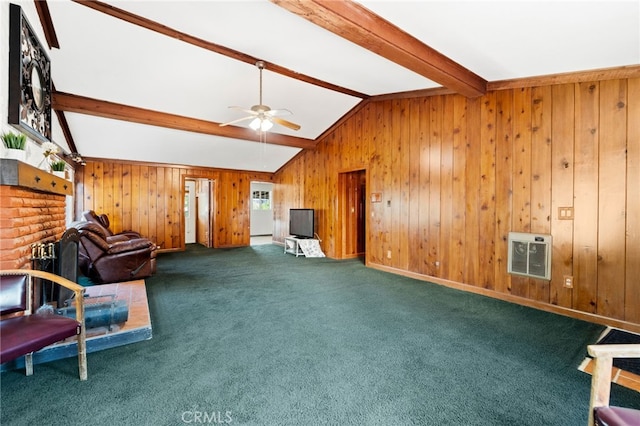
(261, 220)
(352, 190)
(198, 211)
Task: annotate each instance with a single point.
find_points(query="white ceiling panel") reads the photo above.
(106, 138)
(266, 31)
(501, 40)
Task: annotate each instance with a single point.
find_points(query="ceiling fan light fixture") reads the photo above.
(266, 125)
(255, 123)
(261, 124)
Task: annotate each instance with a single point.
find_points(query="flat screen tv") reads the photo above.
(301, 223)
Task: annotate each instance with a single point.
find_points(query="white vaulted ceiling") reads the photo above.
(105, 58)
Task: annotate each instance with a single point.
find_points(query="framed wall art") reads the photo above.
(29, 79)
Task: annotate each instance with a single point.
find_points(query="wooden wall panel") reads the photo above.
(388, 158)
(98, 184)
(167, 190)
(486, 201)
(632, 240)
(504, 193)
(160, 210)
(611, 198)
(435, 185)
(446, 189)
(540, 176)
(521, 213)
(472, 230)
(461, 173)
(414, 225)
(585, 237)
(116, 178)
(459, 141)
(402, 134)
(424, 124)
(562, 167)
(176, 212)
(107, 185)
(135, 198)
(127, 203)
(153, 204)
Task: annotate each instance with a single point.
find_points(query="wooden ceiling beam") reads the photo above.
(79, 104)
(47, 24)
(66, 131)
(359, 25)
(222, 50)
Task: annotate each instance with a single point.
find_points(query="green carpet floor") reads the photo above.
(257, 337)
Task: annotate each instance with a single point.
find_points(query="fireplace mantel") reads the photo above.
(32, 210)
(17, 173)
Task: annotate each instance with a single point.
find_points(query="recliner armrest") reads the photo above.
(117, 238)
(129, 245)
(96, 239)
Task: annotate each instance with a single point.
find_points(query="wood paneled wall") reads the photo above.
(149, 199)
(456, 175)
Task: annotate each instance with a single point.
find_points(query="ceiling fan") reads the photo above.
(261, 115)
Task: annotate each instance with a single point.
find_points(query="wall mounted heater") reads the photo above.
(530, 255)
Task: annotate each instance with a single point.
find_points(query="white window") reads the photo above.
(261, 200)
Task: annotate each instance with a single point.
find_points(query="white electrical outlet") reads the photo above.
(568, 281)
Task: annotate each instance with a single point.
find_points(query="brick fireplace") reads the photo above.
(32, 210)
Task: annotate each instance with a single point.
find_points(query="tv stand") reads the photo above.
(292, 246)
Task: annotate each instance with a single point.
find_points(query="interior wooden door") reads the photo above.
(352, 199)
(203, 206)
(189, 212)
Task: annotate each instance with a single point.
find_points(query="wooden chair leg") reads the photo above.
(28, 364)
(600, 384)
(82, 337)
(82, 355)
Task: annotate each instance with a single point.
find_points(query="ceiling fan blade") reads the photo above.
(279, 111)
(248, 111)
(237, 121)
(285, 123)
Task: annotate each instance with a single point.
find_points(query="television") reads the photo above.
(301, 223)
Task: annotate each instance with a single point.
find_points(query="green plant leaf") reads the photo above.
(14, 141)
(58, 166)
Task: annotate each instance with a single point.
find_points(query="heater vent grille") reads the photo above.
(530, 255)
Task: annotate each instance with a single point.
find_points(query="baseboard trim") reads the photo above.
(573, 313)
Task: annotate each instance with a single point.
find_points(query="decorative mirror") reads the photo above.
(29, 79)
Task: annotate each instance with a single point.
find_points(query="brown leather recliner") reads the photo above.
(103, 221)
(106, 261)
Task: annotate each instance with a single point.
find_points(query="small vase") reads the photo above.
(61, 174)
(16, 154)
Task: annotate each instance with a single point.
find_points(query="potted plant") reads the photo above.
(49, 150)
(58, 167)
(15, 145)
